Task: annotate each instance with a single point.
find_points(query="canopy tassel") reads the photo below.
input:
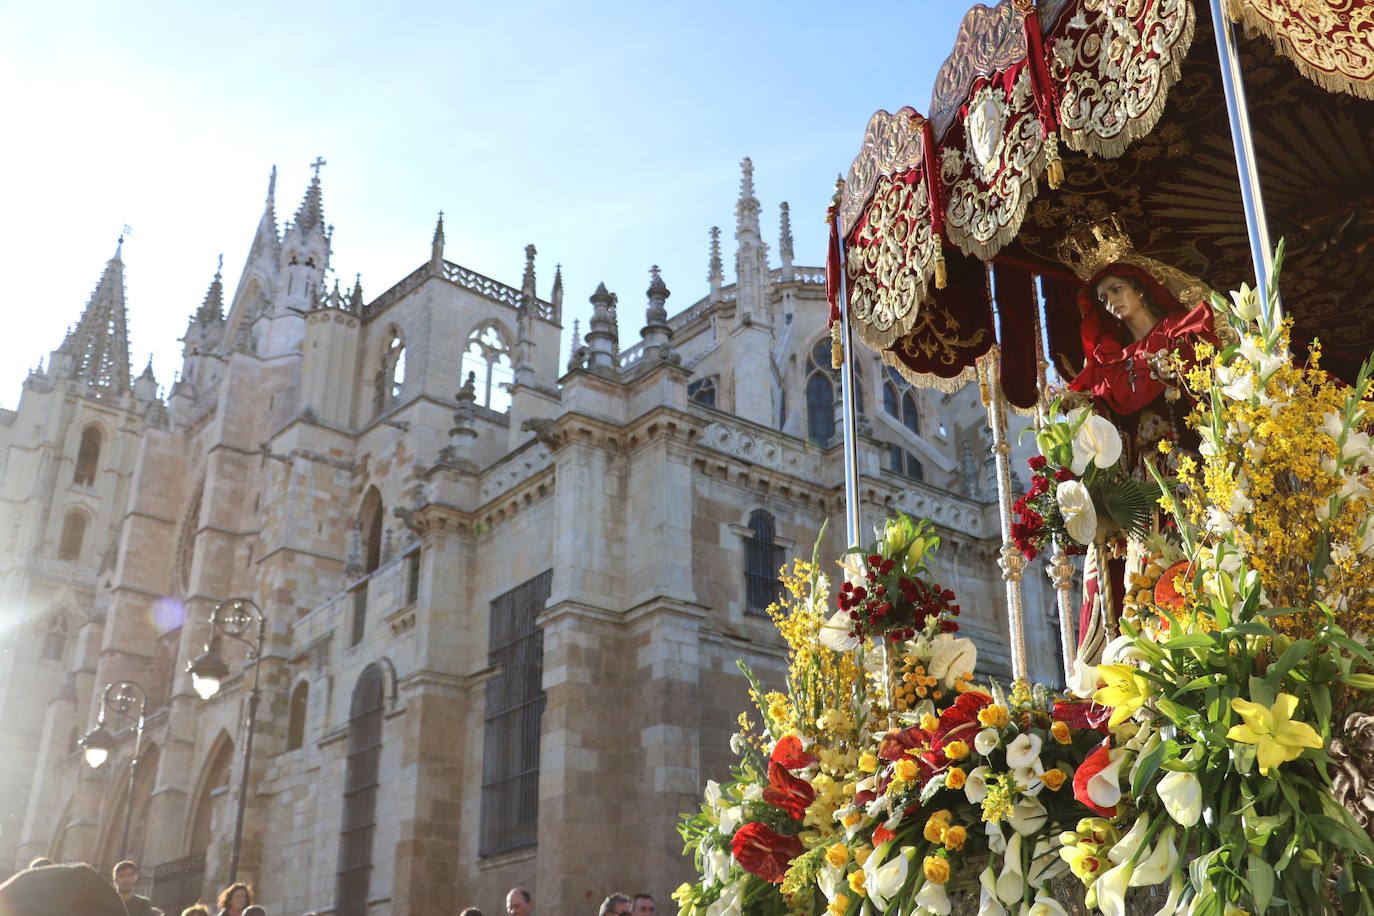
(941, 274)
(1054, 171)
(836, 346)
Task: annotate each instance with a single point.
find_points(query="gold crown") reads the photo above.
(1089, 247)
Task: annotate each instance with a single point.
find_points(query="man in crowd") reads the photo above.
(643, 905)
(125, 877)
(519, 902)
(615, 905)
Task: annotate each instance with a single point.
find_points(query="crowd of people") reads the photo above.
(520, 902)
(47, 888)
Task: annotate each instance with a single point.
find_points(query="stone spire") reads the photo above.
(212, 309)
(436, 247)
(522, 354)
(556, 298)
(458, 453)
(751, 254)
(99, 346)
(656, 332)
(603, 332)
(355, 298)
(145, 386)
(310, 214)
(785, 241)
(528, 296)
(266, 242)
(714, 272)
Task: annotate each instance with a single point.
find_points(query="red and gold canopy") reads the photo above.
(1052, 114)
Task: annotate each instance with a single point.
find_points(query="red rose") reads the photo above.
(789, 753)
(1096, 762)
(764, 852)
(1063, 474)
(1037, 462)
(790, 793)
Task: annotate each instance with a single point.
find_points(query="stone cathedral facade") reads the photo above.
(504, 594)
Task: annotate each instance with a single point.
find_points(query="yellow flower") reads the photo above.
(906, 769)
(1126, 691)
(837, 855)
(994, 716)
(954, 778)
(935, 829)
(956, 750)
(868, 763)
(861, 854)
(1053, 778)
(930, 722)
(954, 837)
(936, 869)
(838, 905)
(852, 818)
(1165, 446)
(1276, 737)
(856, 881)
(1060, 730)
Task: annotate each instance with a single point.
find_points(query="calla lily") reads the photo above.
(1170, 907)
(1076, 505)
(1277, 738)
(1126, 691)
(1027, 816)
(1011, 884)
(1023, 749)
(835, 632)
(988, 904)
(1160, 863)
(996, 841)
(1182, 796)
(933, 897)
(1083, 680)
(1111, 889)
(951, 658)
(1096, 442)
(986, 741)
(884, 881)
(975, 784)
(712, 793)
(1104, 786)
(1045, 905)
(1133, 838)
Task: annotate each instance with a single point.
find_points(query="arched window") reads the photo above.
(372, 517)
(762, 560)
(55, 639)
(703, 391)
(391, 376)
(87, 458)
(823, 390)
(214, 793)
(360, 794)
(903, 462)
(295, 719)
(899, 402)
(73, 534)
(487, 354)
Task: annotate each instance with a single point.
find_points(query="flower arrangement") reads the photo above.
(1196, 759)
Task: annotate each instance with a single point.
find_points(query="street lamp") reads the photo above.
(233, 618)
(97, 743)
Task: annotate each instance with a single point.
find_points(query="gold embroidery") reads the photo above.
(889, 261)
(1330, 41)
(892, 144)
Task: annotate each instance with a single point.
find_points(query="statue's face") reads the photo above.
(1121, 299)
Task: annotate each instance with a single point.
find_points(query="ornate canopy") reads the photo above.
(1049, 115)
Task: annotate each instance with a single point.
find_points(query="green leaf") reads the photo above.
(1360, 681)
(1190, 641)
(1290, 657)
(1178, 713)
(1320, 696)
(1131, 504)
(1260, 875)
(1253, 628)
(1150, 764)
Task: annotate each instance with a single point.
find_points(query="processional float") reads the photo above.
(1219, 760)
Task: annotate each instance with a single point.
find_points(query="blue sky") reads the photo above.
(607, 134)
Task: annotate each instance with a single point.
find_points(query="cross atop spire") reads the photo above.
(311, 211)
(317, 165)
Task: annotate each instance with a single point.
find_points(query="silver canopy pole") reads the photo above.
(850, 414)
(1261, 251)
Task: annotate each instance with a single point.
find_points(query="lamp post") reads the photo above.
(98, 743)
(233, 618)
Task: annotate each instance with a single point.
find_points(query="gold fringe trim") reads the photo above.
(1362, 87)
(1054, 170)
(1141, 125)
(941, 275)
(986, 249)
(924, 380)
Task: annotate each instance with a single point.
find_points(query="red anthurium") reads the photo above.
(1083, 715)
(790, 793)
(897, 742)
(1166, 594)
(881, 835)
(1096, 762)
(963, 711)
(789, 753)
(764, 852)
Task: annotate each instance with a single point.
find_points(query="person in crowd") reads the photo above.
(40, 862)
(519, 902)
(615, 905)
(59, 890)
(471, 911)
(198, 909)
(234, 899)
(125, 877)
(254, 910)
(643, 905)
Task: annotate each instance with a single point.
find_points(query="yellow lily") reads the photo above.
(1126, 691)
(1277, 738)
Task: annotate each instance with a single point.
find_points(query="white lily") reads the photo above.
(933, 898)
(1266, 363)
(729, 902)
(753, 792)
(718, 865)
(1182, 796)
(835, 632)
(1096, 442)
(950, 658)
(712, 793)
(1111, 890)
(1076, 505)
(1120, 649)
(976, 785)
(1027, 816)
(730, 819)
(1170, 907)
(1083, 680)
(1104, 786)
(986, 741)
(1160, 863)
(830, 880)
(1045, 905)
(1238, 381)
(1011, 884)
(885, 881)
(988, 904)
(1023, 749)
(1245, 303)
